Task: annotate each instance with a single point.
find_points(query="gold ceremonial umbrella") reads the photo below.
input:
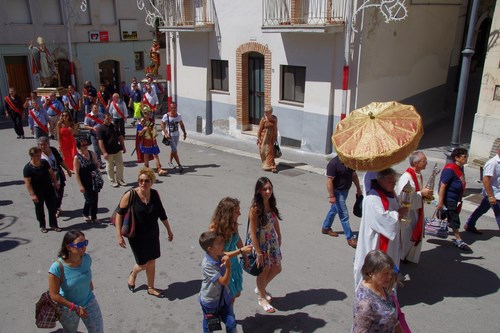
(378, 135)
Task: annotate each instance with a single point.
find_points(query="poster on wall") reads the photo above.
(128, 29)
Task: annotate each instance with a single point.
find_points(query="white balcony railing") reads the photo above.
(303, 12)
(189, 13)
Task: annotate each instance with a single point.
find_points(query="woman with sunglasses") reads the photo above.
(145, 244)
(66, 130)
(71, 287)
(85, 163)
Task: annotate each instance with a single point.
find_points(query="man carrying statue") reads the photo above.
(44, 63)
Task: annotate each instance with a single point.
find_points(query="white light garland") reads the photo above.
(83, 5)
(392, 10)
(155, 10)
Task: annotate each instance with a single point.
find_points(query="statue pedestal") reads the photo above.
(46, 91)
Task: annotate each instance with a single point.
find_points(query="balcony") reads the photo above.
(320, 16)
(189, 15)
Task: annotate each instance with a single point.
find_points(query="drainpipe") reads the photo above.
(467, 54)
(64, 6)
(347, 56)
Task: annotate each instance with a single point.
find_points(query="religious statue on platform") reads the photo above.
(44, 64)
(154, 57)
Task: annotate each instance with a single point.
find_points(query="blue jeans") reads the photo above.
(339, 207)
(94, 324)
(227, 316)
(483, 207)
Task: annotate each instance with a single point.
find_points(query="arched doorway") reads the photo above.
(253, 84)
(110, 70)
(63, 68)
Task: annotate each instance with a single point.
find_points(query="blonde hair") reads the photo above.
(148, 172)
(222, 219)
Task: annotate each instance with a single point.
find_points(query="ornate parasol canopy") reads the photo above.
(378, 135)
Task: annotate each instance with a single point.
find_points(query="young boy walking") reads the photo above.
(216, 274)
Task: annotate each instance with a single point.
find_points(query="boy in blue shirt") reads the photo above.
(216, 274)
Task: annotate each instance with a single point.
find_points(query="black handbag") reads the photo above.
(165, 140)
(252, 268)
(357, 209)
(277, 150)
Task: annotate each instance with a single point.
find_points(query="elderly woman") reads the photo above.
(266, 137)
(71, 287)
(86, 165)
(41, 183)
(451, 190)
(145, 244)
(374, 308)
(66, 130)
(56, 162)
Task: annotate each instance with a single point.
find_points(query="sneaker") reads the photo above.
(462, 245)
(472, 230)
(114, 184)
(122, 183)
(329, 232)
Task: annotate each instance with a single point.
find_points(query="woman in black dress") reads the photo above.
(56, 162)
(41, 183)
(84, 163)
(146, 242)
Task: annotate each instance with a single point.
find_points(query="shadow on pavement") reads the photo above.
(445, 272)
(182, 290)
(8, 243)
(300, 299)
(297, 322)
(12, 182)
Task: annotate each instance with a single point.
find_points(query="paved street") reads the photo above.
(449, 291)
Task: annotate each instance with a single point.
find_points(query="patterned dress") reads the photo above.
(373, 313)
(268, 241)
(268, 136)
(236, 283)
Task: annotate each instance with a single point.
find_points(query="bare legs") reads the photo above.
(263, 280)
(150, 268)
(174, 156)
(161, 172)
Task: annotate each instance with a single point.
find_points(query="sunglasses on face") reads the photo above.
(79, 245)
(146, 181)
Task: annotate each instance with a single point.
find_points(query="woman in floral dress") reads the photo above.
(266, 137)
(265, 235)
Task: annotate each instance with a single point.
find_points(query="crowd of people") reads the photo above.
(383, 242)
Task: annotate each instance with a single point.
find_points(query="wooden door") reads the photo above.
(18, 75)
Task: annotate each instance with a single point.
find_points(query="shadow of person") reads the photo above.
(192, 168)
(6, 202)
(182, 290)
(297, 322)
(300, 299)
(444, 272)
(12, 182)
(470, 238)
(8, 243)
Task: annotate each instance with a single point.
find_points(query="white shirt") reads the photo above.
(492, 169)
(376, 221)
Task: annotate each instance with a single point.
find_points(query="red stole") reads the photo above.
(416, 235)
(101, 99)
(38, 122)
(54, 108)
(145, 100)
(384, 241)
(72, 101)
(97, 120)
(118, 110)
(460, 174)
(9, 101)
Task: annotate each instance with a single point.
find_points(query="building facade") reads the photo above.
(107, 41)
(230, 61)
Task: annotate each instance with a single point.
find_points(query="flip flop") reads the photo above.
(44, 230)
(269, 297)
(266, 306)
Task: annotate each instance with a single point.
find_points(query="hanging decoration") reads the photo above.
(392, 10)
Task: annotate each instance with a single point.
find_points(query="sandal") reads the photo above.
(131, 287)
(269, 297)
(58, 212)
(462, 245)
(57, 229)
(266, 306)
(44, 230)
(155, 293)
(161, 172)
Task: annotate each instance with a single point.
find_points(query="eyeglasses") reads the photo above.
(146, 181)
(79, 245)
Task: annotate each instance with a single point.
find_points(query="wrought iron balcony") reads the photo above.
(188, 15)
(303, 15)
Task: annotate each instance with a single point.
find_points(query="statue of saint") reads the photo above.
(154, 57)
(44, 64)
